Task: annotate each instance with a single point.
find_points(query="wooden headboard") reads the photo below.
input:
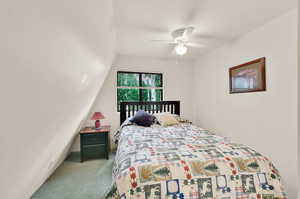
(128, 109)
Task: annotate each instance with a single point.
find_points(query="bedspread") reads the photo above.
(185, 161)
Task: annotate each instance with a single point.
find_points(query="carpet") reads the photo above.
(74, 180)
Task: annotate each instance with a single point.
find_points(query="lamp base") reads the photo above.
(97, 124)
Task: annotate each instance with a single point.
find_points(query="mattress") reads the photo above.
(185, 161)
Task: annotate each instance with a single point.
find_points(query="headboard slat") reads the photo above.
(128, 113)
(126, 108)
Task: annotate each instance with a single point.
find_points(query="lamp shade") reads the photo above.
(97, 116)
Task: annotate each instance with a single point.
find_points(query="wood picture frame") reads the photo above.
(248, 77)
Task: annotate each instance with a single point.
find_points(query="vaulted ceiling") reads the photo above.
(216, 22)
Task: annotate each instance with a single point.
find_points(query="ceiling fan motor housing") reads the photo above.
(182, 34)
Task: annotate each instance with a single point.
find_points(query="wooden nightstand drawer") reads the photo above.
(93, 138)
(94, 151)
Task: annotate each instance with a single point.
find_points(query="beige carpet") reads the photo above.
(74, 180)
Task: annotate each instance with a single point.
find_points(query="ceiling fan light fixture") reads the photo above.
(181, 49)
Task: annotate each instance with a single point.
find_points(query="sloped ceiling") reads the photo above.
(216, 22)
(54, 57)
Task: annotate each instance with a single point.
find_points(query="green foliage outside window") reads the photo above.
(151, 95)
(151, 80)
(128, 79)
(139, 87)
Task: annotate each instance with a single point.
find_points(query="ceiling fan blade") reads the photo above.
(210, 38)
(164, 41)
(194, 44)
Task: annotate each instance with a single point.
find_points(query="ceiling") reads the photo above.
(216, 22)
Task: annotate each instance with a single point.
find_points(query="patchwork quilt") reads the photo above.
(185, 161)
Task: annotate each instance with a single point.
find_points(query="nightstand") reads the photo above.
(94, 143)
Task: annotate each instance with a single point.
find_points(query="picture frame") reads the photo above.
(248, 77)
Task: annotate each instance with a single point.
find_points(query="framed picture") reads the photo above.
(248, 77)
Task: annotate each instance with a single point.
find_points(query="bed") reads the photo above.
(185, 161)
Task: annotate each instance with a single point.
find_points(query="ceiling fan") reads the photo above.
(181, 38)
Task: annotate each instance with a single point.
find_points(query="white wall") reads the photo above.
(298, 196)
(54, 56)
(267, 120)
(177, 85)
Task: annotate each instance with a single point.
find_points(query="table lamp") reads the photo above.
(97, 116)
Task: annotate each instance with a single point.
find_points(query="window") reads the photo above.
(134, 86)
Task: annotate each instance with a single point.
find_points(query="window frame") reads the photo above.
(140, 84)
